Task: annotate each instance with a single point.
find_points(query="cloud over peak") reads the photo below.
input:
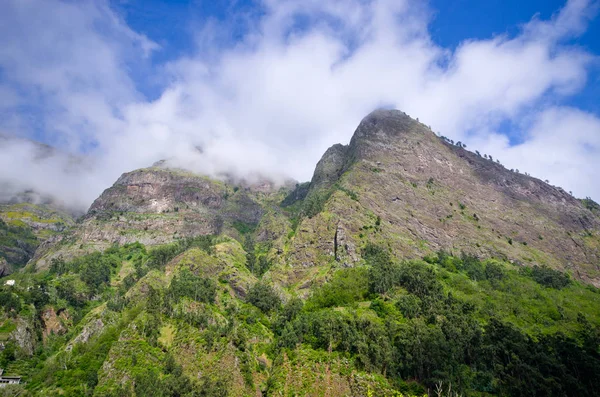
(299, 79)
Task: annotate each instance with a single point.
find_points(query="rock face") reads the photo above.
(330, 167)
(159, 205)
(53, 322)
(154, 204)
(91, 329)
(398, 182)
(24, 337)
(23, 226)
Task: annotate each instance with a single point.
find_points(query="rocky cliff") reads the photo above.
(23, 227)
(177, 284)
(159, 205)
(399, 183)
(395, 183)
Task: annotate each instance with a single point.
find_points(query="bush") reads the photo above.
(471, 265)
(96, 271)
(346, 286)
(264, 297)
(383, 274)
(409, 306)
(590, 204)
(160, 256)
(494, 272)
(420, 279)
(315, 202)
(187, 284)
(10, 302)
(551, 278)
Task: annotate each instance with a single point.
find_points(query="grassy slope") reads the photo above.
(232, 344)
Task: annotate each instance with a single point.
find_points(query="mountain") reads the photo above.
(160, 205)
(28, 218)
(23, 227)
(429, 194)
(406, 266)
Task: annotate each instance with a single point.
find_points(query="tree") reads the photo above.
(189, 285)
(10, 302)
(58, 266)
(383, 273)
(95, 272)
(264, 297)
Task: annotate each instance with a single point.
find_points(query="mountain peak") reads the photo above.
(387, 121)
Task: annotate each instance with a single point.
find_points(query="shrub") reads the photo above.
(548, 277)
(346, 286)
(10, 302)
(315, 203)
(494, 271)
(590, 204)
(189, 285)
(264, 297)
(419, 279)
(383, 272)
(471, 265)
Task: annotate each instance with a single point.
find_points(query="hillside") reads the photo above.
(428, 195)
(407, 266)
(159, 205)
(23, 227)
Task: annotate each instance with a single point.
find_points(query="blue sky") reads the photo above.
(172, 24)
(265, 87)
(458, 20)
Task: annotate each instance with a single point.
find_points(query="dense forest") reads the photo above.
(444, 325)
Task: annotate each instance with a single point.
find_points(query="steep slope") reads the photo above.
(29, 217)
(159, 205)
(190, 319)
(398, 183)
(248, 289)
(23, 227)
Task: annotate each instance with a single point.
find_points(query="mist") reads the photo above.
(271, 102)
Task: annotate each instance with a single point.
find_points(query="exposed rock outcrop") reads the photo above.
(429, 194)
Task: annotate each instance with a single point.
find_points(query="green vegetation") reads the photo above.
(188, 285)
(424, 329)
(547, 277)
(352, 194)
(264, 297)
(347, 286)
(243, 228)
(17, 243)
(154, 319)
(590, 204)
(315, 203)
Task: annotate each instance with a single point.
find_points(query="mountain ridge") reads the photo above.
(402, 166)
(427, 193)
(406, 266)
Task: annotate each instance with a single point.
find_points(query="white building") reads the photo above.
(8, 380)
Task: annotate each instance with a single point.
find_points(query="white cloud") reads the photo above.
(300, 80)
(563, 146)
